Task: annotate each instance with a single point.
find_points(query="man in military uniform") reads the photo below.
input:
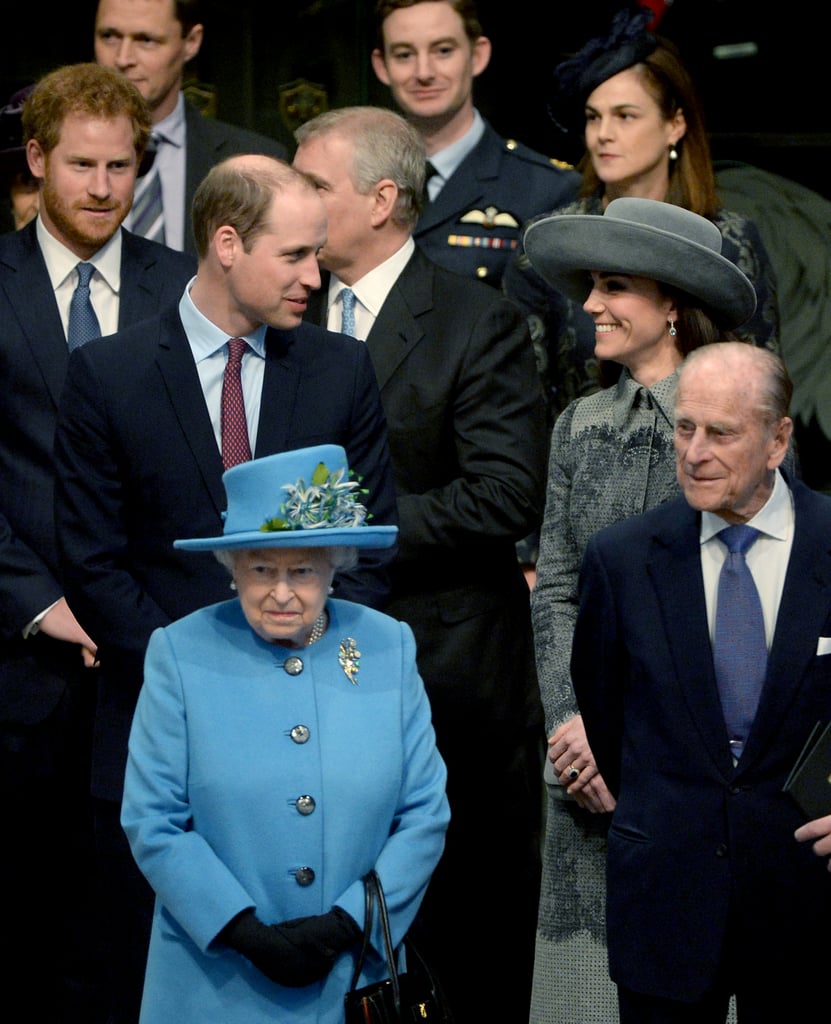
(481, 188)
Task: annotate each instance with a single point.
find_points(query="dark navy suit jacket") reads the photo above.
(695, 844)
(139, 466)
(33, 363)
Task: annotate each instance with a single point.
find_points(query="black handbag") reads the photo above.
(414, 996)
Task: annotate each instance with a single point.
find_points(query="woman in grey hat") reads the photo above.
(652, 278)
(282, 746)
(631, 100)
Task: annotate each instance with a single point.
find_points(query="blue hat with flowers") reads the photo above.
(305, 498)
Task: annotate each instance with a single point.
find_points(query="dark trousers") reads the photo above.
(786, 983)
(129, 901)
(51, 957)
(477, 924)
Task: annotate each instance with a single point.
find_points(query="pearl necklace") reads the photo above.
(318, 629)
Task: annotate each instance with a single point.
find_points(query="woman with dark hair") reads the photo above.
(633, 100)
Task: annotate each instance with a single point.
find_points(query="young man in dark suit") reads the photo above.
(85, 128)
(140, 441)
(705, 876)
(464, 407)
(150, 42)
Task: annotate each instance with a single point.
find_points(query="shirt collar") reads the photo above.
(774, 518)
(628, 389)
(204, 337)
(373, 288)
(448, 159)
(61, 262)
(171, 129)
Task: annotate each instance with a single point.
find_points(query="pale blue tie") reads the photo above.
(739, 648)
(83, 323)
(148, 213)
(347, 298)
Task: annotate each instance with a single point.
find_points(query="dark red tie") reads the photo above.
(235, 446)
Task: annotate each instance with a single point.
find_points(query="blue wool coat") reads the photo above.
(218, 761)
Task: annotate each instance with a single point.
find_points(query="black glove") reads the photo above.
(294, 953)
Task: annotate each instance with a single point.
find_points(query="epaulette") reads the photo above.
(512, 146)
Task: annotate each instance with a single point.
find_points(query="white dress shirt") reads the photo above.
(371, 292)
(104, 285)
(767, 558)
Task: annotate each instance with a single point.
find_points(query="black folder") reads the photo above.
(809, 782)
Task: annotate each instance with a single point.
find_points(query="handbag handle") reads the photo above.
(369, 897)
(374, 892)
(389, 953)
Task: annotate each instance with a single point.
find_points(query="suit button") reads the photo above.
(481, 273)
(300, 734)
(293, 665)
(304, 876)
(721, 850)
(305, 804)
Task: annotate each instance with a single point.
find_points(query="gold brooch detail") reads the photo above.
(350, 659)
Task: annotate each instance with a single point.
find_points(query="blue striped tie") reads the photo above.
(83, 323)
(148, 213)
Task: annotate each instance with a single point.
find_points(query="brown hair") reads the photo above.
(90, 90)
(692, 182)
(466, 9)
(240, 195)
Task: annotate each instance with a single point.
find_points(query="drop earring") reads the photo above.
(673, 153)
(672, 331)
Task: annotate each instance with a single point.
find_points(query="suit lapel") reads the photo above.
(32, 299)
(674, 566)
(281, 382)
(465, 188)
(397, 329)
(803, 615)
(137, 294)
(184, 392)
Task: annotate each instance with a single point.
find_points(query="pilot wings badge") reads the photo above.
(490, 217)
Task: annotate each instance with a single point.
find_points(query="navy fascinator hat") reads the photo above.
(627, 43)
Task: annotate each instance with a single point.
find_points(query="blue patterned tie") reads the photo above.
(739, 648)
(147, 212)
(83, 323)
(347, 298)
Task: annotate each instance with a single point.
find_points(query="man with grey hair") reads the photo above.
(701, 666)
(465, 413)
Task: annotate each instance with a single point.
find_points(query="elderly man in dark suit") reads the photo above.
(143, 436)
(85, 128)
(466, 420)
(150, 42)
(695, 717)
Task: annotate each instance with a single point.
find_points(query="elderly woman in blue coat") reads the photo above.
(282, 746)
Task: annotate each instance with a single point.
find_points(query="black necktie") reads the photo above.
(429, 171)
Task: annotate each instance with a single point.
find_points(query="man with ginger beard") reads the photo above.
(85, 129)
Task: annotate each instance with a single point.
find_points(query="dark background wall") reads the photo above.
(768, 107)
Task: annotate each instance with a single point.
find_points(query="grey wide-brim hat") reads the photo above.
(648, 238)
(298, 499)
